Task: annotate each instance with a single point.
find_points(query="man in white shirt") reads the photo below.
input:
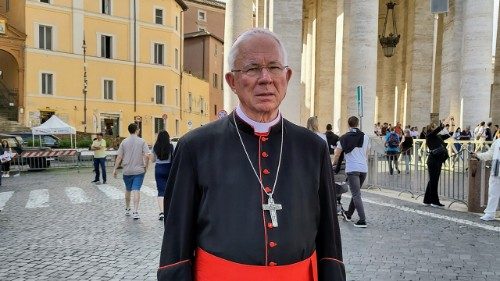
(355, 145)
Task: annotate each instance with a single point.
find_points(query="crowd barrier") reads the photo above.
(56, 159)
(410, 173)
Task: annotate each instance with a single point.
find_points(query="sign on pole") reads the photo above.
(359, 100)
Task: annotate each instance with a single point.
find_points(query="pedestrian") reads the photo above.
(355, 145)
(251, 196)
(488, 133)
(438, 154)
(331, 138)
(99, 148)
(134, 153)
(163, 152)
(392, 150)
(406, 149)
(2, 160)
(7, 152)
(312, 124)
(494, 183)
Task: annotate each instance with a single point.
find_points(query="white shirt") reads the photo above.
(356, 161)
(492, 154)
(258, 127)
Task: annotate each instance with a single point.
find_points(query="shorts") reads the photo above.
(133, 182)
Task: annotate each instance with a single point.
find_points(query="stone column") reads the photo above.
(325, 60)
(452, 61)
(340, 63)
(362, 60)
(476, 62)
(286, 21)
(495, 102)
(419, 54)
(239, 18)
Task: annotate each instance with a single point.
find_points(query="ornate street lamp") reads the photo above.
(389, 41)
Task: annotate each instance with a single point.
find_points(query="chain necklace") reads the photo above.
(271, 206)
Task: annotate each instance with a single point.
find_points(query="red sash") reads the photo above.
(208, 267)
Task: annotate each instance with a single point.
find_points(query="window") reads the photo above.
(106, 46)
(177, 97)
(158, 53)
(202, 105)
(45, 1)
(176, 58)
(202, 15)
(47, 84)
(190, 101)
(45, 37)
(159, 125)
(215, 109)
(160, 94)
(106, 7)
(158, 16)
(176, 23)
(215, 80)
(176, 127)
(108, 89)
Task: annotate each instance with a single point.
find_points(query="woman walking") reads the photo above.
(6, 163)
(162, 157)
(406, 149)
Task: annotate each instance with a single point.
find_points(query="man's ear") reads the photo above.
(288, 74)
(230, 80)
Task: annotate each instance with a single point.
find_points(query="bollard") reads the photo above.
(474, 201)
(478, 185)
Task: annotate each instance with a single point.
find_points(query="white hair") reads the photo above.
(235, 48)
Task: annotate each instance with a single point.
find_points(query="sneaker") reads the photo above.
(94, 181)
(426, 204)
(346, 216)
(127, 212)
(437, 205)
(135, 215)
(360, 224)
(104, 182)
(160, 216)
(488, 217)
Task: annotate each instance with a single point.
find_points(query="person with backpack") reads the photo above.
(392, 150)
(163, 152)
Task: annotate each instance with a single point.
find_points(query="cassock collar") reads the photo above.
(257, 127)
(247, 128)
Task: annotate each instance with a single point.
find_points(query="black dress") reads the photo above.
(434, 164)
(214, 200)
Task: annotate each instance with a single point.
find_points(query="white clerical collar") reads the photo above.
(258, 127)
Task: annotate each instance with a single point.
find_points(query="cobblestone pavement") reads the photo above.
(56, 225)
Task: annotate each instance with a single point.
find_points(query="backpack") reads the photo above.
(393, 141)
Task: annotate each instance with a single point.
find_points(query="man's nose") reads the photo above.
(265, 74)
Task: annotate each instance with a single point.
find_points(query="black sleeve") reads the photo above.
(181, 208)
(437, 130)
(328, 242)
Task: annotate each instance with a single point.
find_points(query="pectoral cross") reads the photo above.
(272, 207)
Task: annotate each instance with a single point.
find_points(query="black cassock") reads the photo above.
(214, 200)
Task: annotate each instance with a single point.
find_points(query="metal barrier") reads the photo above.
(56, 159)
(410, 175)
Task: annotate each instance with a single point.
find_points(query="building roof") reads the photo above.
(212, 3)
(200, 34)
(182, 4)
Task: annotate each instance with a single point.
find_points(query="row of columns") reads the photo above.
(333, 48)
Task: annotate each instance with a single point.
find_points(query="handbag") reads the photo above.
(440, 153)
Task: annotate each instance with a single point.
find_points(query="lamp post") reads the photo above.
(84, 86)
(389, 41)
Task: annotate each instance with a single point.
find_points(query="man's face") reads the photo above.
(99, 137)
(260, 95)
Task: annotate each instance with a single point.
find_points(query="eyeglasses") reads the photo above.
(256, 70)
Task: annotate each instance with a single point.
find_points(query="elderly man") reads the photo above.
(250, 196)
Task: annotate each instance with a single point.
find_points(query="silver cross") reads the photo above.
(271, 207)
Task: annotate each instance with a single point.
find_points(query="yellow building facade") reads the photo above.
(100, 65)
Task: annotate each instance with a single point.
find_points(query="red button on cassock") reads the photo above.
(267, 189)
(272, 264)
(264, 139)
(264, 154)
(272, 244)
(269, 225)
(266, 172)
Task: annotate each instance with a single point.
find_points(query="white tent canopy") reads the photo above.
(54, 126)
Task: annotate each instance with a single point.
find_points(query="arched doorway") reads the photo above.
(9, 86)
